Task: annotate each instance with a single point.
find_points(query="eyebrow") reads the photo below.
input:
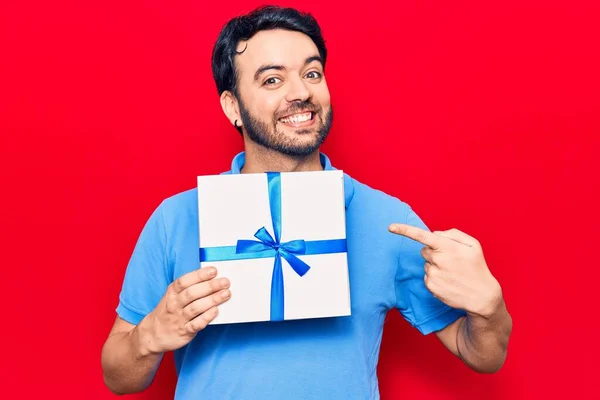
(276, 67)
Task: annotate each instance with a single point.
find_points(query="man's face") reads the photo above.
(283, 96)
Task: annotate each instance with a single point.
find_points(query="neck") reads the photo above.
(259, 159)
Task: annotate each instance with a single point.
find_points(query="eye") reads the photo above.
(271, 81)
(314, 75)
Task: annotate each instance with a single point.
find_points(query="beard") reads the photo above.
(267, 135)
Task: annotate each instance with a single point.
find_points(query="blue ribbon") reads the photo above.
(268, 246)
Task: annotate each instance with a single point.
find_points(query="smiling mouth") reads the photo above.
(299, 119)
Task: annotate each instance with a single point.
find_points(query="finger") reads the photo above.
(428, 267)
(459, 237)
(200, 306)
(196, 276)
(427, 254)
(200, 290)
(202, 320)
(431, 270)
(420, 235)
(431, 274)
(427, 278)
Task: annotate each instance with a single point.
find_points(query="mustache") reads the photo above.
(299, 107)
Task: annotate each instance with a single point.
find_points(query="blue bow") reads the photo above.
(269, 246)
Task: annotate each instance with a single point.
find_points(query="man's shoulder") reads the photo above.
(371, 197)
(180, 204)
(184, 201)
(181, 198)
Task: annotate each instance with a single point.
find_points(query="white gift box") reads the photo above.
(307, 209)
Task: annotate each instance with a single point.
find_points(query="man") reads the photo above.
(269, 70)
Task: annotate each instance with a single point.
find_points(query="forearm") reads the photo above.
(127, 363)
(482, 340)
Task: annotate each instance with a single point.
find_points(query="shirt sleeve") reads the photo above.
(414, 301)
(146, 278)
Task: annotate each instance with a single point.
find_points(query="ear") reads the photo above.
(230, 107)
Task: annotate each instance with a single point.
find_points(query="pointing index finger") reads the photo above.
(420, 235)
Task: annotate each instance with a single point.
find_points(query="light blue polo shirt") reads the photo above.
(332, 358)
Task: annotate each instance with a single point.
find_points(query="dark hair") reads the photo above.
(246, 26)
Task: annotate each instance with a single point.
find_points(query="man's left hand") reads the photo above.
(455, 269)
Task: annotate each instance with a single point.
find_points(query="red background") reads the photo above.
(482, 117)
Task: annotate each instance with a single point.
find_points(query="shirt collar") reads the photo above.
(238, 163)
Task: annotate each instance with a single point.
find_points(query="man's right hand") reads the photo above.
(187, 307)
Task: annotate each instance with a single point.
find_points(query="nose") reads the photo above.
(298, 91)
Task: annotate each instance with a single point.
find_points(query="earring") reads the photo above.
(235, 123)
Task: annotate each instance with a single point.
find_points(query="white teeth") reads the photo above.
(296, 119)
